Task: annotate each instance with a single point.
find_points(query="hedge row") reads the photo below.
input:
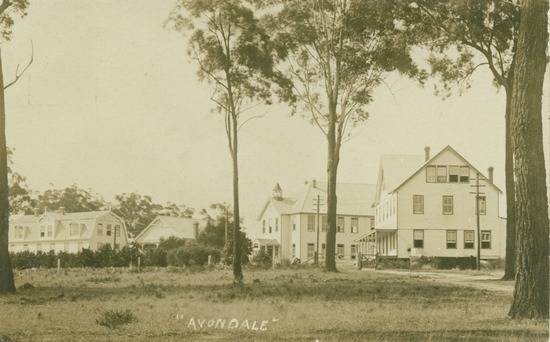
(190, 254)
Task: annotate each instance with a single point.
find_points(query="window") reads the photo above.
(277, 224)
(431, 176)
(323, 249)
(486, 239)
(469, 239)
(447, 205)
(454, 174)
(42, 231)
(418, 238)
(418, 204)
(108, 230)
(324, 223)
(50, 230)
(83, 228)
(270, 227)
(355, 225)
(263, 226)
(310, 250)
(441, 174)
(293, 250)
(100, 229)
(451, 239)
(19, 232)
(73, 229)
(293, 227)
(464, 174)
(371, 219)
(353, 251)
(482, 205)
(310, 223)
(340, 251)
(340, 225)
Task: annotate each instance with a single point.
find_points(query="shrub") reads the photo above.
(444, 263)
(262, 258)
(391, 262)
(113, 319)
(155, 257)
(192, 254)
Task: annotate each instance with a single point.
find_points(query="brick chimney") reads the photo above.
(426, 153)
(490, 172)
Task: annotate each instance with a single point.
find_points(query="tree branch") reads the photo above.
(17, 73)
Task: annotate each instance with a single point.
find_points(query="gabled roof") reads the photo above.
(353, 199)
(415, 170)
(394, 169)
(283, 205)
(180, 227)
(86, 215)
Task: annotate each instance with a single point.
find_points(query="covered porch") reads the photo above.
(269, 246)
(386, 242)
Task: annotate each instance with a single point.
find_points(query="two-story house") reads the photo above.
(66, 232)
(426, 206)
(287, 226)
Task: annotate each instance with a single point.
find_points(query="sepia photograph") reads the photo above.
(274, 170)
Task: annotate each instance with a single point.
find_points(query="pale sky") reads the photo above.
(112, 103)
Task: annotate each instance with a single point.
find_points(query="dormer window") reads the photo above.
(464, 174)
(441, 174)
(431, 174)
(454, 174)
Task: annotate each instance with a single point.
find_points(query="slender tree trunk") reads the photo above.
(510, 258)
(531, 290)
(237, 268)
(332, 168)
(7, 283)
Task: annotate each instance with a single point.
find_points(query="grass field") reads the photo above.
(172, 304)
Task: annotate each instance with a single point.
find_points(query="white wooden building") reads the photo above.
(425, 207)
(67, 232)
(287, 226)
(163, 227)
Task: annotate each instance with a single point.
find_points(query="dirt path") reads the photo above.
(479, 280)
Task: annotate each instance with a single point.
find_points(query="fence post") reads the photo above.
(58, 265)
(139, 263)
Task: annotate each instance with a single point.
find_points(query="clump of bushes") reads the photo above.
(192, 254)
(444, 263)
(262, 258)
(113, 319)
(390, 262)
(103, 257)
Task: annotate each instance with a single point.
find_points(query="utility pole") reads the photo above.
(226, 223)
(114, 238)
(316, 205)
(478, 244)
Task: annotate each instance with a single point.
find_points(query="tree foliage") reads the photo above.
(465, 35)
(336, 52)
(140, 210)
(236, 57)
